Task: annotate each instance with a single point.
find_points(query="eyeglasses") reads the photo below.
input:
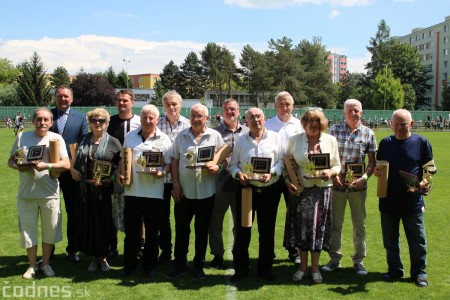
(101, 121)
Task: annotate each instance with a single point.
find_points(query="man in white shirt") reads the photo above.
(261, 143)
(286, 125)
(193, 190)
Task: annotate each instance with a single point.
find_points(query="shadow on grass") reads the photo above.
(343, 281)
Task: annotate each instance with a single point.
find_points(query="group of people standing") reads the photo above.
(314, 214)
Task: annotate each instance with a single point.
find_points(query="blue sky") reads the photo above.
(96, 34)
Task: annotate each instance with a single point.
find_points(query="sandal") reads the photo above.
(316, 277)
(298, 276)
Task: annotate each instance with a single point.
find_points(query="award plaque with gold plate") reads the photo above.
(354, 171)
(101, 170)
(150, 162)
(199, 159)
(257, 167)
(29, 157)
(316, 162)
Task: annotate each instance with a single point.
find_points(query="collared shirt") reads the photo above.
(353, 146)
(144, 185)
(194, 182)
(172, 132)
(224, 182)
(284, 129)
(62, 119)
(269, 146)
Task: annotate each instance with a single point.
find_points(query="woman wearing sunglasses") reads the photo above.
(95, 166)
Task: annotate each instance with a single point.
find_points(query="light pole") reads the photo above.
(126, 68)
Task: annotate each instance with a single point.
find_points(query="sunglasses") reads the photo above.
(314, 108)
(101, 121)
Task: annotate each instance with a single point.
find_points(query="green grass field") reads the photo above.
(74, 281)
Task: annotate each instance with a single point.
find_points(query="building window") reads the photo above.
(417, 38)
(445, 76)
(446, 28)
(430, 33)
(430, 67)
(446, 40)
(445, 63)
(445, 51)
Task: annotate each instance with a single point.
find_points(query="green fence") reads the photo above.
(334, 115)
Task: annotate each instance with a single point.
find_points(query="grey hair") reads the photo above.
(149, 108)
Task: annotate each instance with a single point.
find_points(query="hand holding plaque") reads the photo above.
(316, 162)
(199, 159)
(353, 172)
(150, 162)
(257, 167)
(29, 157)
(101, 170)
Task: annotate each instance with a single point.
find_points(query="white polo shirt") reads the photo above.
(144, 185)
(285, 129)
(194, 182)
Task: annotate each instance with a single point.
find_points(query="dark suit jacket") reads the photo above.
(75, 128)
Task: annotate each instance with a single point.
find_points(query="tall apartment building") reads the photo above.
(338, 66)
(434, 45)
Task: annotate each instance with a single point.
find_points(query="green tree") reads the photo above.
(111, 76)
(255, 73)
(33, 89)
(169, 77)
(60, 77)
(446, 97)
(8, 95)
(316, 85)
(351, 86)
(410, 96)
(92, 90)
(8, 73)
(218, 67)
(286, 67)
(191, 83)
(123, 81)
(388, 91)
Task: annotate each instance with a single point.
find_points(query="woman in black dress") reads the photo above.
(95, 224)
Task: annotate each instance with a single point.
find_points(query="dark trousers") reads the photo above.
(185, 210)
(165, 231)
(71, 193)
(265, 205)
(293, 252)
(138, 209)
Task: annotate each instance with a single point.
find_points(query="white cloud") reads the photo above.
(334, 14)
(357, 64)
(256, 4)
(96, 53)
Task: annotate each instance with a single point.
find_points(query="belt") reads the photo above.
(260, 189)
(347, 189)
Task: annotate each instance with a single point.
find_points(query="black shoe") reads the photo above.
(216, 263)
(237, 277)
(113, 253)
(73, 257)
(149, 272)
(126, 272)
(199, 273)
(164, 257)
(177, 271)
(267, 275)
(393, 275)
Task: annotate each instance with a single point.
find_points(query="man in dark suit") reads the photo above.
(72, 125)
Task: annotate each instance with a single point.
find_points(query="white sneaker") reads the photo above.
(48, 271)
(29, 273)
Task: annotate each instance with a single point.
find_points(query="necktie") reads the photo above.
(61, 122)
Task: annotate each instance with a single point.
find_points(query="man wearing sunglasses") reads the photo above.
(72, 125)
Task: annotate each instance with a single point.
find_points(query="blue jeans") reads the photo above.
(415, 234)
